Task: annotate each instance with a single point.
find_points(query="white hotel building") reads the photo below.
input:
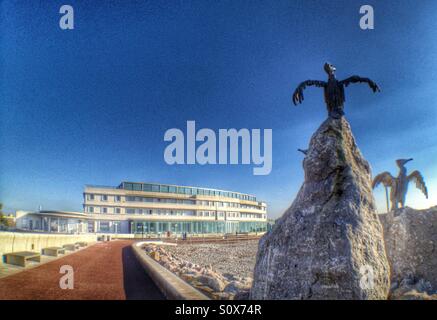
(153, 210)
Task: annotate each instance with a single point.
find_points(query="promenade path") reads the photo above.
(106, 270)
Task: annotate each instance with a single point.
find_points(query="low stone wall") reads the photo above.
(173, 287)
(21, 241)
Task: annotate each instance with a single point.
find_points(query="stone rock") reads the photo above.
(155, 255)
(411, 246)
(242, 295)
(235, 287)
(205, 289)
(222, 295)
(410, 293)
(323, 245)
(212, 282)
(229, 277)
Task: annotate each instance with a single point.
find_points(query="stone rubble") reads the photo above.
(216, 285)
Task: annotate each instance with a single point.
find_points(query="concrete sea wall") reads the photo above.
(21, 241)
(173, 287)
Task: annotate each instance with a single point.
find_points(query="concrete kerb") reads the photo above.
(173, 287)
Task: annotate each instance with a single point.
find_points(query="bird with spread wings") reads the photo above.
(399, 185)
(333, 90)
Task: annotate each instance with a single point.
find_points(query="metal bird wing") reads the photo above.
(358, 79)
(385, 178)
(298, 93)
(417, 177)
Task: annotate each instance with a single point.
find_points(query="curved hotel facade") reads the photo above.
(156, 209)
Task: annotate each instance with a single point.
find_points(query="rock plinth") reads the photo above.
(329, 243)
(411, 246)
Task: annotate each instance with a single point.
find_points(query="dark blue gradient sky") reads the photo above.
(91, 105)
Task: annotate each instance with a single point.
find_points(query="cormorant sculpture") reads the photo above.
(399, 185)
(333, 90)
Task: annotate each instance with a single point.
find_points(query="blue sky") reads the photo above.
(91, 105)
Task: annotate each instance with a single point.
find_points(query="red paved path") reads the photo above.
(106, 270)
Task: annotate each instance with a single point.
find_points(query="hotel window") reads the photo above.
(164, 189)
(104, 197)
(104, 226)
(147, 187)
(117, 198)
(104, 210)
(90, 196)
(91, 209)
(130, 210)
(136, 186)
(116, 225)
(117, 210)
(155, 188)
(172, 189)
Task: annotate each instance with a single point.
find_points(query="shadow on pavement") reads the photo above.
(137, 284)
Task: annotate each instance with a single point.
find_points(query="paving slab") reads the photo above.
(104, 271)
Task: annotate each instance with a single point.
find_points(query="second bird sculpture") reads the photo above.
(399, 185)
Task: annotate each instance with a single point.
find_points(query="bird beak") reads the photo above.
(409, 159)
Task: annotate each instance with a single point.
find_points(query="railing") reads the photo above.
(214, 238)
(99, 186)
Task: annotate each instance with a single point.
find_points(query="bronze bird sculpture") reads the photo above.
(399, 185)
(333, 90)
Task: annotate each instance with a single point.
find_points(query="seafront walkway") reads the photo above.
(105, 270)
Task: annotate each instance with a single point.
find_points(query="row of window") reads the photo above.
(104, 226)
(103, 210)
(165, 212)
(192, 227)
(102, 197)
(178, 201)
(183, 190)
(170, 212)
(229, 204)
(161, 200)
